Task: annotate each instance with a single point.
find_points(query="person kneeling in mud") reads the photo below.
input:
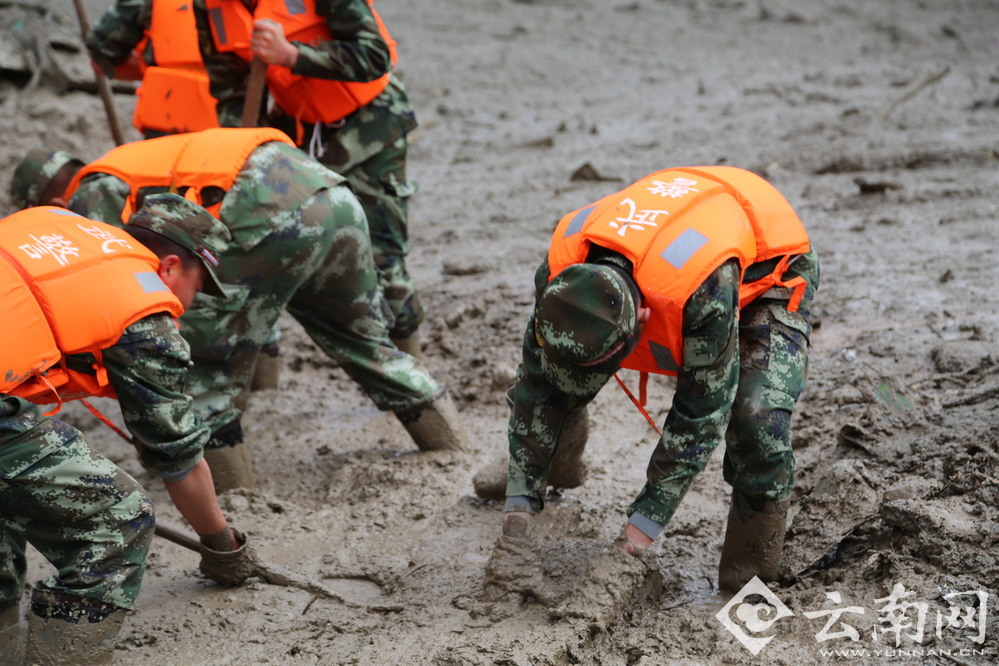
(703, 273)
(299, 241)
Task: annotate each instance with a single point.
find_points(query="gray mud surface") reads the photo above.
(880, 123)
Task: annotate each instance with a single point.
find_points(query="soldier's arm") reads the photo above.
(536, 418)
(100, 197)
(705, 390)
(357, 51)
(148, 367)
(706, 384)
(117, 32)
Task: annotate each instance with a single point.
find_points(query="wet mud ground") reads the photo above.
(878, 121)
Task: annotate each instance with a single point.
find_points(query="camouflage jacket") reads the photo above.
(148, 369)
(357, 52)
(118, 31)
(706, 385)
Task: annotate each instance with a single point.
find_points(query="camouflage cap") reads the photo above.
(585, 323)
(34, 173)
(190, 226)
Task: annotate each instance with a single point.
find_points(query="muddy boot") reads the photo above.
(229, 458)
(434, 425)
(12, 635)
(71, 631)
(490, 481)
(754, 539)
(267, 370)
(410, 344)
(568, 470)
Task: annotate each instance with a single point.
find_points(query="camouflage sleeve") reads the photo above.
(357, 51)
(148, 368)
(538, 412)
(707, 382)
(117, 32)
(100, 197)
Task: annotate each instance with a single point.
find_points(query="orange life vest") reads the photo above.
(308, 100)
(174, 96)
(677, 226)
(209, 158)
(70, 286)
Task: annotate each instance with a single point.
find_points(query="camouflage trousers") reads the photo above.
(320, 267)
(89, 518)
(773, 368)
(369, 148)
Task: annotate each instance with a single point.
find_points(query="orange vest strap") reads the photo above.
(106, 421)
(640, 405)
(55, 410)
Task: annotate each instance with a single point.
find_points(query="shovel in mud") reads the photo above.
(272, 573)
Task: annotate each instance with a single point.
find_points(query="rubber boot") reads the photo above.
(754, 539)
(267, 371)
(410, 344)
(12, 635)
(434, 425)
(70, 640)
(229, 459)
(490, 481)
(567, 469)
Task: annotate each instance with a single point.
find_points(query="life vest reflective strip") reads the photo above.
(676, 227)
(71, 286)
(193, 161)
(174, 95)
(308, 100)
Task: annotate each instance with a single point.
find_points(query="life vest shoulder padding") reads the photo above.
(212, 157)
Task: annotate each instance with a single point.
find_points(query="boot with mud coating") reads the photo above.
(229, 459)
(410, 344)
(85, 635)
(12, 635)
(754, 540)
(568, 470)
(434, 425)
(267, 371)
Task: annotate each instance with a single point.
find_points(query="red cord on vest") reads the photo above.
(640, 405)
(121, 433)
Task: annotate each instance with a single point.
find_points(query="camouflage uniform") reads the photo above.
(367, 147)
(299, 241)
(82, 512)
(742, 374)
